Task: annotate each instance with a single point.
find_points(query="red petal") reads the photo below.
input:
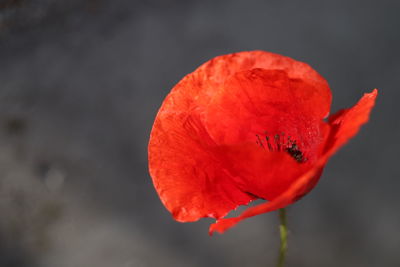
(260, 172)
(256, 101)
(196, 89)
(299, 188)
(186, 171)
(347, 122)
(258, 104)
(344, 125)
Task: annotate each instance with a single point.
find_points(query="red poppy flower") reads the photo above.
(245, 126)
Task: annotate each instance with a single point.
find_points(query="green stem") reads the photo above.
(283, 233)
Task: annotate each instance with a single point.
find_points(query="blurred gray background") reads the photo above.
(81, 82)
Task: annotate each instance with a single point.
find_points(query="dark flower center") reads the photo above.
(279, 143)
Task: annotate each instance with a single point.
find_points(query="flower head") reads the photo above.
(246, 126)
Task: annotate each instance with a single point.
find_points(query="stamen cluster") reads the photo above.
(277, 143)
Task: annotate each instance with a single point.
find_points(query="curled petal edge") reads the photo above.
(282, 201)
(350, 120)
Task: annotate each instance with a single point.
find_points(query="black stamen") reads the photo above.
(269, 144)
(278, 145)
(259, 142)
(290, 146)
(295, 152)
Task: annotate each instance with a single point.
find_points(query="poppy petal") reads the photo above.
(260, 172)
(344, 125)
(347, 122)
(296, 190)
(196, 89)
(256, 116)
(186, 172)
(259, 102)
